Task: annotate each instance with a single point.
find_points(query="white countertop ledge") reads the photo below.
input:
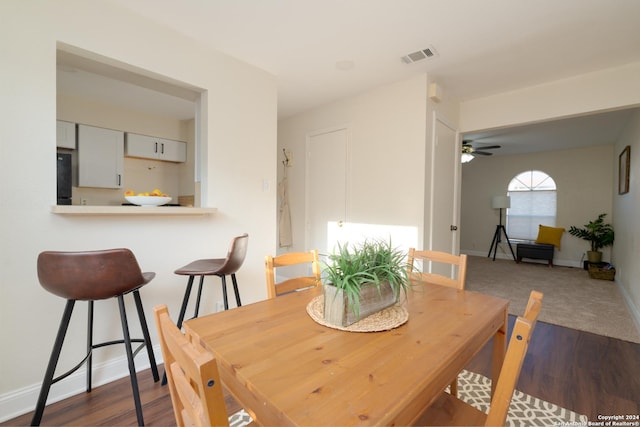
(130, 210)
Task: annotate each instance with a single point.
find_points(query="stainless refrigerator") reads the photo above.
(64, 178)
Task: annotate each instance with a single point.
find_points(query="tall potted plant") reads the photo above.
(363, 279)
(599, 234)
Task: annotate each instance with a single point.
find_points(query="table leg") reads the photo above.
(499, 350)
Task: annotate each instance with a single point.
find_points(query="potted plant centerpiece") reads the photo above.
(363, 279)
(596, 232)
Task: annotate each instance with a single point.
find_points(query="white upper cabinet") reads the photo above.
(100, 157)
(149, 147)
(65, 135)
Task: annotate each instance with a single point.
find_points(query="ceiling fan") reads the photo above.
(468, 151)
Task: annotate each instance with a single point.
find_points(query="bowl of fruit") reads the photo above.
(153, 198)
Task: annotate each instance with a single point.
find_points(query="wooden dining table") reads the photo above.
(286, 369)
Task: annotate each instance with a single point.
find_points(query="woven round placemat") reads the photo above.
(389, 318)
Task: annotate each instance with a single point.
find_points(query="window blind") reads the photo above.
(528, 210)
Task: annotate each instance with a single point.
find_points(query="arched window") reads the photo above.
(533, 202)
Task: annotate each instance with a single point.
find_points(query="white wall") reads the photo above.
(598, 91)
(240, 152)
(626, 220)
(387, 155)
(583, 179)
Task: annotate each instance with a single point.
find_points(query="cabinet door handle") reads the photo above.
(155, 150)
(119, 180)
(162, 148)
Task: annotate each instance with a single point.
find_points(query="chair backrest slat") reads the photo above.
(441, 258)
(286, 260)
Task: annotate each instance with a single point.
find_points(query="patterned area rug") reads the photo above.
(239, 419)
(525, 410)
(475, 389)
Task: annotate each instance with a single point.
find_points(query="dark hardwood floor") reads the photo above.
(586, 373)
(589, 374)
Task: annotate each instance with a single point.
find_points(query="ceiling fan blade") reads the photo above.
(482, 153)
(489, 147)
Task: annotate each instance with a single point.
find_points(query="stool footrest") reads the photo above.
(95, 346)
(70, 371)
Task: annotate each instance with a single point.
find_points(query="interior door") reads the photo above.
(326, 187)
(445, 171)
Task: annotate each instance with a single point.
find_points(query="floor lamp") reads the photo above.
(500, 202)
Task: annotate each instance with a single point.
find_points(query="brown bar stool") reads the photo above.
(220, 267)
(90, 276)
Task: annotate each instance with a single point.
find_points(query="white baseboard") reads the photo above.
(24, 400)
(633, 309)
(507, 255)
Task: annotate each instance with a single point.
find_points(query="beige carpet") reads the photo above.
(571, 298)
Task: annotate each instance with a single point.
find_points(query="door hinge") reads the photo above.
(453, 228)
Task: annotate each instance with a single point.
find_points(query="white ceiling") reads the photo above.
(483, 47)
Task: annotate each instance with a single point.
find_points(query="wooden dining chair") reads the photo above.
(424, 275)
(291, 284)
(448, 410)
(436, 257)
(193, 377)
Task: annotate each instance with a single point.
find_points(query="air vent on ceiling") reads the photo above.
(427, 53)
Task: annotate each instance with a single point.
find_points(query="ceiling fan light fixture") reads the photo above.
(466, 157)
(467, 148)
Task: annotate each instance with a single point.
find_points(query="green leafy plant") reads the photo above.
(596, 232)
(373, 261)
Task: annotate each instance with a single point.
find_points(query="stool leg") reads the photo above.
(235, 289)
(185, 302)
(89, 344)
(147, 338)
(132, 367)
(195, 313)
(224, 292)
(53, 362)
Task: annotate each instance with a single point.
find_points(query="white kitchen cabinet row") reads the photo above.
(101, 152)
(150, 147)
